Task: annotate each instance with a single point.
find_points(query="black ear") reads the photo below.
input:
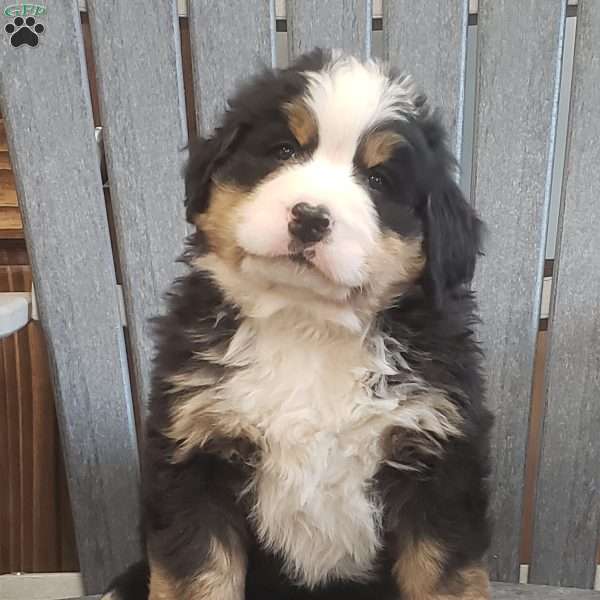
(205, 158)
(453, 237)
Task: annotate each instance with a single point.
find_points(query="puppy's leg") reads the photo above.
(421, 574)
(195, 529)
(221, 576)
(471, 583)
(437, 517)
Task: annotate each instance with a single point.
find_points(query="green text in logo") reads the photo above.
(24, 10)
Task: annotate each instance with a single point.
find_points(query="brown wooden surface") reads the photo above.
(13, 252)
(8, 194)
(188, 79)
(36, 531)
(11, 226)
(2, 135)
(533, 449)
(4, 160)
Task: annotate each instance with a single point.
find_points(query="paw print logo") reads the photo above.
(24, 31)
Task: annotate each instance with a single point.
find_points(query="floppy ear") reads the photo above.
(206, 156)
(453, 236)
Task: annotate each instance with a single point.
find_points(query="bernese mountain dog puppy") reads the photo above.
(317, 427)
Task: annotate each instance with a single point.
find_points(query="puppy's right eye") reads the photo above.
(285, 151)
(376, 181)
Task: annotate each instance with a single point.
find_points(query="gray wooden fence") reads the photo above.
(45, 100)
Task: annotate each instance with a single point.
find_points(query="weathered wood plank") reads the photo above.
(428, 39)
(506, 591)
(519, 54)
(2, 136)
(341, 24)
(4, 160)
(140, 87)
(567, 514)
(230, 42)
(46, 105)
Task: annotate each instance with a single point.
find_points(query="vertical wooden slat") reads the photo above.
(91, 67)
(25, 383)
(188, 75)
(567, 515)
(519, 55)
(45, 482)
(23, 393)
(5, 490)
(339, 24)
(68, 555)
(534, 443)
(14, 468)
(45, 101)
(140, 88)
(230, 42)
(428, 39)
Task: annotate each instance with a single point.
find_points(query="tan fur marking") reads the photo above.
(472, 583)
(219, 220)
(301, 121)
(406, 254)
(378, 147)
(419, 568)
(194, 425)
(221, 577)
(398, 262)
(162, 586)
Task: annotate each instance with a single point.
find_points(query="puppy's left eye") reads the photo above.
(285, 151)
(376, 181)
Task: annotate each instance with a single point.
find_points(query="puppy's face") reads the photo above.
(332, 178)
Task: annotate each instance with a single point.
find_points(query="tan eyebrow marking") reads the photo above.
(378, 147)
(301, 121)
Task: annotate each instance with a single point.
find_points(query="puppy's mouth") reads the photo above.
(301, 267)
(302, 254)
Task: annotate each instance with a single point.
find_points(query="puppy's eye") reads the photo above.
(285, 151)
(376, 181)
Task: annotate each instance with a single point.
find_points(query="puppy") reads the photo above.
(317, 427)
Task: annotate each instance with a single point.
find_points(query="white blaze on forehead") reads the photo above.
(348, 98)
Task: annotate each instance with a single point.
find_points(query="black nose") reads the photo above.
(309, 224)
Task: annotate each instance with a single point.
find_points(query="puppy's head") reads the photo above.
(331, 181)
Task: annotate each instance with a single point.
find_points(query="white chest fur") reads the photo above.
(314, 399)
(307, 393)
(308, 398)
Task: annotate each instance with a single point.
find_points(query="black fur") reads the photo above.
(132, 584)
(258, 101)
(446, 499)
